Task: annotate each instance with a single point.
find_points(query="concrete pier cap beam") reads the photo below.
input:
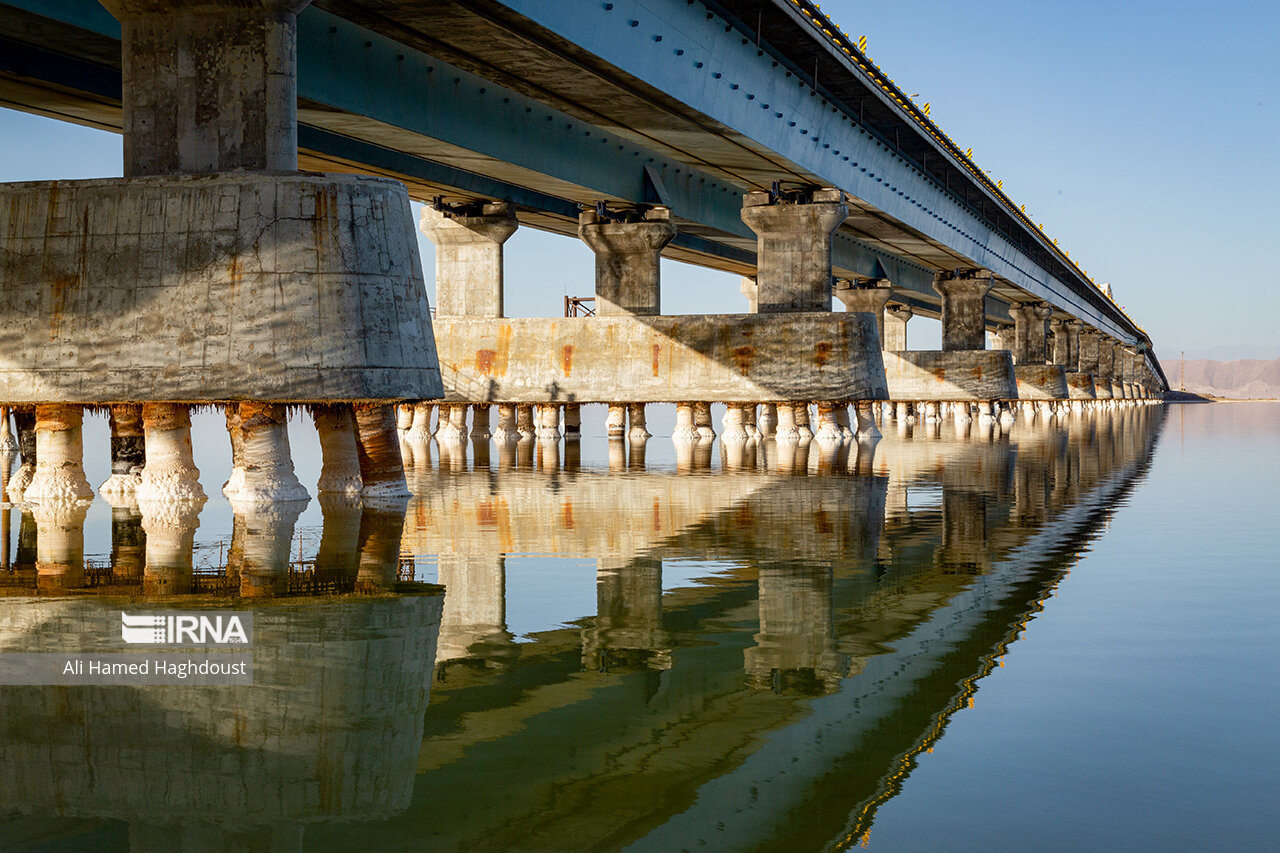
(951, 376)
(628, 248)
(963, 307)
(469, 264)
(206, 288)
(868, 296)
(793, 250)
(718, 358)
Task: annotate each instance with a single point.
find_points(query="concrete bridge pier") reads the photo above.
(59, 471)
(549, 422)
(828, 427)
(638, 431)
(685, 429)
(1037, 377)
(481, 422)
(868, 296)
(628, 247)
(734, 425)
(469, 262)
(128, 451)
(702, 421)
(7, 442)
(767, 422)
(453, 423)
(1090, 340)
(895, 327)
(749, 421)
(803, 427)
(794, 247)
(525, 426)
(572, 422)
(268, 463)
(788, 430)
(506, 432)
(339, 450)
(615, 424)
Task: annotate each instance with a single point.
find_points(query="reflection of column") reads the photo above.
(59, 544)
(795, 648)
(170, 527)
(964, 532)
(266, 544)
(338, 557)
(59, 473)
(170, 472)
(128, 542)
(474, 622)
(627, 633)
(381, 529)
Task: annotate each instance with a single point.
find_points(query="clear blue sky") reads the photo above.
(1142, 134)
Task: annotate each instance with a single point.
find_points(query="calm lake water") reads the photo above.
(1047, 639)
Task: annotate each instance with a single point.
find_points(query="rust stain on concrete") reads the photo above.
(503, 357)
(566, 358)
(742, 357)
(940, 374)
(484, 361)
(822, 353)
(657, 356)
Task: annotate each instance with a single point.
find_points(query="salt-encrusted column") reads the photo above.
(615, 424)
(128, 451)
(170, 472)
(639, 430)
(24, 421)
(702, 421)
(734, 425)
(685, 429)
(339, 451)
(381, 465)
(268, 464)
(549, 422)
(59, 473)
(524, 420)
(506, 431)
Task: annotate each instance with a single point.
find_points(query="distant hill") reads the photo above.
(1243, 379)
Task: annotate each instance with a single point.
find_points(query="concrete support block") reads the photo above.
(205, 288)
(1041, 381)
(268, 464)
(469, 273)
(339, 451)
(951, 376)
(627, 259)
(867, 296)
(717, 358)
(170, 473)
(128, 453)
(59, 471)
(794, 248)
(1079, 385)
(963, 308)
(378, 446)
(895, 327)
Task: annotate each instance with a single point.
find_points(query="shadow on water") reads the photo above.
(754, 657)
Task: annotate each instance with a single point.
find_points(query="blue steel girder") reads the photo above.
(424, 110)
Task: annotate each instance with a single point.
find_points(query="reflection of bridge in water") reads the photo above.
(840, 620)
(785, 695)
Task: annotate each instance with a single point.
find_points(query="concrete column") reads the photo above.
(702, 421)
(339, 451)
(866, 420)
(170, 473)
(480, 415)
(1071, 333)
(549, 422)
(628, 247)
(895, 327)
(1088, 342)
(506, 430)
(524, 420)
(801, 411)
(639, 431)
(749, 420)
(268, 464)
(25, 423)
(1030, 332)
(828, 425)
(7, 442)
(59, 470)
(469, 257)
(793, 250)
(963, 312)
(236, 480)
(748, 287)
(1061, 353)
(381, 465)
(1001, 336)
(572, 421)
(767, 422)
(128, 451)
(685, 429)
(208, 86)
(404, 417)
(1106, 367)
(867, 296)
(787, 430)
(453, 423)
(419, 431)
(734, 425)
(616, 423)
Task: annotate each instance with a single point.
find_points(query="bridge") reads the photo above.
(751, 137)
